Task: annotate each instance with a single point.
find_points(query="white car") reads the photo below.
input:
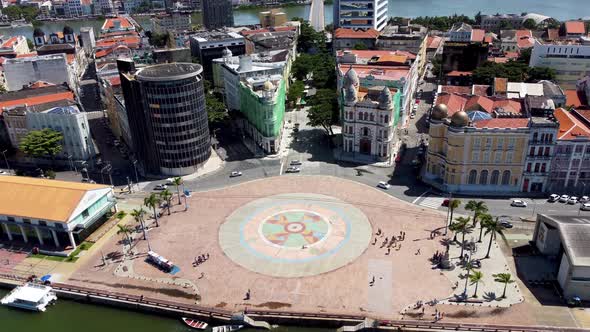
(584, 199)
(564, 198)
(518, 203)
(161, 187)
(412, 116)
(295, 163)
(4, 173)
(293, 170)
(383, 185)
(585, 207)
(553, 198)
(235, 174)
(573, 200)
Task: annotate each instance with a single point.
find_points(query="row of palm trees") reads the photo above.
(153, 202)
(476, 277)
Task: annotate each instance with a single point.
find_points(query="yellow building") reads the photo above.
(272, 18)
(484, 156)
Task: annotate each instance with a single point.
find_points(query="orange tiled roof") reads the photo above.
(552, 34)
(36, 100)
(524, 38)
(500, 85)
(26, 55)
(456, 73)
(478, 35)
(502, 123)
(465, 90)
(401, 59)
(498, 59)
(575, 27)
(455, 103)
(479, 103)
(378, 72)
(115, 81)
(10, 42)
(480, 89)
(350, 33)
(569, 126)
(575, 98)
(40, 84)
(110, 23)
(433, 42)
(368, 54)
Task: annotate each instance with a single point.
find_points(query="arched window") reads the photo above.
(472, 176)
(350, 115)
(365, 131)
(483, 177)
(495, 177)
(350, 129)
(366, 116)
(381, 118)
(386, 118)
(372, 117)
(506, 178)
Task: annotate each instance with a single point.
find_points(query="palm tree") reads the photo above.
(483, 220)
(493, 227)
(478, 208)
(503, 278)
(125, 230)
(453, 204)
(166, 195)
(153, 201)
(461, 225)
(138, 215)
(177, 181)
(475, 279)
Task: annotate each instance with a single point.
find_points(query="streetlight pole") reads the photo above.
(135, 169)
(448, 213)
(129, 184)
(6, 160)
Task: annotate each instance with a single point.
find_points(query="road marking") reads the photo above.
(432, 202)
(417, 198)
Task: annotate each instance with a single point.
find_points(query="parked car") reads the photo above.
(506, 224)
(4, 173)
(445, 203)
(295, 163)
(573, 200)
(564, 198)
(584, 199)
(293, 170)
(553, 198)
(235, 174)
(412, 116)
(160, 187)
(585, 207)
(518, 203)
(383, 185)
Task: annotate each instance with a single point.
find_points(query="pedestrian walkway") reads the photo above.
(432, 202)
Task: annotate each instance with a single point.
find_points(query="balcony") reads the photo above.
(540, 142)
(537, 157)
(532, 173)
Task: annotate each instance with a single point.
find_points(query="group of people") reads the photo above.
(438, 315)
(394, 242)
(200, 259)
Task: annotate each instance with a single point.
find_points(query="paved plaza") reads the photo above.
(295, 243)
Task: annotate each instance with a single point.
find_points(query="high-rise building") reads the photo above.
(360, 15)
(218, 14)
(165, 107)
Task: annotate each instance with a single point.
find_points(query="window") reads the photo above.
(488, 143)
(85, 214)
(472, 176)
(532, 151)
(498, 157)
(483, 177)
(477, 142)
(537, 167)
(509, 156)
(372, 117)
(543, 167)
(495, 176)
(547, 150)
(386, 118)
(475, 156)
(10, 218)
(486, 156)
(42, 222)
(579, 148)
(506, 178)
(528, 167)
(500, 143)
(535, 136)
(511, 142)
(26, 220)
(365, 131)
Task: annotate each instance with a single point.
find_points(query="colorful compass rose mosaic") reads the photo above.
(294, 235)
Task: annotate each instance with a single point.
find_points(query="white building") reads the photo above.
(360, 15)
(571, 61)
(72, 123)
(73, 8)
(87, 39)
(52, 68)
(368, 127)
(104, 7)
(460, 32)
(230, 70)
(171, 22)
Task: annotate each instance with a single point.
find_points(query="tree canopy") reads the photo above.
(530, 24)
(324, 110)
(295, 91)
(514, 71)
(42, 143)
(29, 13)
(442, 23)
(321, 65)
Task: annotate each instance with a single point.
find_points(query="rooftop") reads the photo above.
(117, 23)
(569, 126)
(575, 27)
(216, 35)
(507, 123)
(386, 73)
(575, 98)
(353, 34)
(31, 292)
(41, 198)
(35, 96)
(169, 71)
(575, 236)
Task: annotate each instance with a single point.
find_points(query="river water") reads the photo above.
(562, 10)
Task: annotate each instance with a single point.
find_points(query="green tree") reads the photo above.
(525, 55)
(360, 46)
(483, 220)
(477, 207)
(42, 143)
(461, 225)
(530, 24)
(295, 91)
(216, 111)
(494, 228)
(540, 73)
(125, 230)
(324, 110)
(166, 196)
(30, 44)
(138, 215)
(475, 279)
(153, 201)
(158, 39)
(503, 278)
(324, 75)
(50, 174)
(309, 39)
(303, 66)
(453, 204)
(177, 181)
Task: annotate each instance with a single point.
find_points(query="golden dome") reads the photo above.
(268, 86)
(460, 119)
(440, 112)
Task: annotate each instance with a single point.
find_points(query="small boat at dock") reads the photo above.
(195, 324)
(30, 296)
(227, 328)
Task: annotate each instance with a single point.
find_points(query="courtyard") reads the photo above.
(293, 243)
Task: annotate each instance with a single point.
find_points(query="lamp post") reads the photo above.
(70, 160)
(6, 160)
(134, 162)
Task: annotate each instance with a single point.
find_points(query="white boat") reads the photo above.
(195, 324)
(30, 296)
(227, 328)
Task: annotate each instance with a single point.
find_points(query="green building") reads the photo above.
(262, 102)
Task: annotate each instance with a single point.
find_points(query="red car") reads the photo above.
(445, 203)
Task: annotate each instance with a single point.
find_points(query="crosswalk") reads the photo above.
(432, 202)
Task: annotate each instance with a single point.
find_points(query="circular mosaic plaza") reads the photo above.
(295, 235)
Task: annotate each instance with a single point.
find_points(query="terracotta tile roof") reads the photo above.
(500, 85)
(477, 35)
(115, 81)
(508, 105)
(10, 42)
(369, 54)
(109, 23)
(354, 34)
(575, 27)
(480, 90)
(26, 55)
(465, 90)
(456, 73)
(488, 39)
(40, 84)
(575, 98)
(570, 127)
(130, 41)
(455, 103)
(479, 103)
(388, 73)
(524, 39)
(35, 100)
(511, 55)
(70, 58)
(398, 59)
(40, 198)
(508, 123)
(498, 59)
(433, 42)
(552, 34)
